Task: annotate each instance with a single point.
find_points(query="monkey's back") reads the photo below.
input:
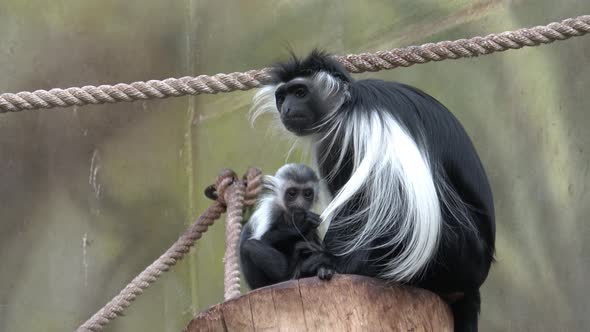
(436, 130)
(455, 164)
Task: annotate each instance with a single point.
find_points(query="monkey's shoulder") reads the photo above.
(415, 109)
(385, 94)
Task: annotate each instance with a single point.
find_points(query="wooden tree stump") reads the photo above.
(346, 303)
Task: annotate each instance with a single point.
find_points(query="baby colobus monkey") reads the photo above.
(280, 241)
(411, 200)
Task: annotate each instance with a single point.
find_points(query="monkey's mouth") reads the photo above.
(297, 124)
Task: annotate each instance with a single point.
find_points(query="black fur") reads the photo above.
(316, 61)
(464, 257)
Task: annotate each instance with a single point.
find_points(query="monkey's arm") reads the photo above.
(262, 264)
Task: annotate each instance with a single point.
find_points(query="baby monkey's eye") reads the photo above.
(308, 193)
(291, 193)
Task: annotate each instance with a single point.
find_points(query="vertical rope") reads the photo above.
(233, 229)
(243, 194)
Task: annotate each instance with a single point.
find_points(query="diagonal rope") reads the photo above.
(230, 196)
(355, 63)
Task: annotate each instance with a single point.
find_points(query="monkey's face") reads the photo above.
(297, 105)
(303, 104)
(299, 197)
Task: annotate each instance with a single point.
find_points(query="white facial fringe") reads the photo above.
(264, 102)
(327, 85)
(386, 158)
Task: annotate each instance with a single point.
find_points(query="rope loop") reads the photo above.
(252, 180)
(217, 191)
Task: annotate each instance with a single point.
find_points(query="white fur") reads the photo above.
(385, 158)
(261, 219)
(328, 85)
(264, 102)
(324, 199)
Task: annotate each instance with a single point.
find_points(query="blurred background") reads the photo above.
(90, 196)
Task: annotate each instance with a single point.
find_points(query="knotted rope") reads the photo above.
(229, 195)
(355, 63)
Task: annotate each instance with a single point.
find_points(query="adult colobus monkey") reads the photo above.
(411, 201)
(280, 241)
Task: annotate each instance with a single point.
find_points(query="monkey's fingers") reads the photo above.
(325, 273)
(298, 216)
(313, 219)
(311, 265)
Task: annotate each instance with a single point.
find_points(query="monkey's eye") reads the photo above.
(308, 194)
(291, 193)
(300, 92)
(339, 76)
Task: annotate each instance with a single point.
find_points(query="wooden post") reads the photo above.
(346, 303)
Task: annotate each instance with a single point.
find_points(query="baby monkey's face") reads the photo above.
(299, 196)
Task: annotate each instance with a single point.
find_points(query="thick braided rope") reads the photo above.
(181, 247)
(233, 228)
(466, 48)
(355, 63)
(242, 195)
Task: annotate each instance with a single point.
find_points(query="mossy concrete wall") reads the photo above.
(90, 196)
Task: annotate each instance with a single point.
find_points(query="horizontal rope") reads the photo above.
(355, 63)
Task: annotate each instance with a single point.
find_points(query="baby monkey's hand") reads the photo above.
(305, 221)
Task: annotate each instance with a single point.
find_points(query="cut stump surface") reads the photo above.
(346, 303)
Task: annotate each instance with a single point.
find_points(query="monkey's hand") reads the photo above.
(319, 264)
(325, 273)
(304, 221)
(313, 219)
